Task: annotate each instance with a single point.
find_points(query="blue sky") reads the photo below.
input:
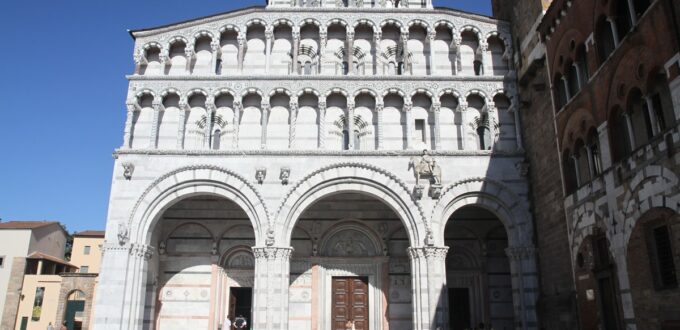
(63, 66)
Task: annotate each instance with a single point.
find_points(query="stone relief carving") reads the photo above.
(285, 175)
(260, 175)
(128, 170)
(349, 243)
(426, 167)
(123, 233)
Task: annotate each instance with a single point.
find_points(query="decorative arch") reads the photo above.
(662, 182)
(366, 22)
(207, 230)
(224, 91)
(419, 22)
(449, 91)
(446, 23)
(577, 126)
(308, 91)
(313, 21)
(228, 27)
(474, 30)
(424, 91)
(192, 181)
(252, 90)
(196, 91)
(145, 91)
(283, 21)
(174, 39)
(353, 177)
(280, 90)
(337, 90)
(375, 240)
(391, 22)
(396, 91)
(365, 91)
(492, 195)
(256, 21)
(342, 22)
(228, 255)
(170, 90)
(203, 33)
(478, 92)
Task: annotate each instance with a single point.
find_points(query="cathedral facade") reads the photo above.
(313, 163)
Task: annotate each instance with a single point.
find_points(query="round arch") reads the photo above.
(193, 181)
(352, 177)
(491, 195)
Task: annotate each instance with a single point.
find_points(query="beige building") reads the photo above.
(44, 288)
(21, 239)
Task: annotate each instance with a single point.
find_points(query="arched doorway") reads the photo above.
(350, 263)
(478, 273)
(75, 307)
(204, 258)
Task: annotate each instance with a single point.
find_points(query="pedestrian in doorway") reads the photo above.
(50, 326)
(350, 325)
(240, 322)
(63, 326)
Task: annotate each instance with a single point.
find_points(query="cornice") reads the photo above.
(140, 33)
(320, 77)
(333, 153)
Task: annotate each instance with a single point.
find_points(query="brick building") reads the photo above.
(613, 68)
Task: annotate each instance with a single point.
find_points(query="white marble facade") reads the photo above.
(259, 153)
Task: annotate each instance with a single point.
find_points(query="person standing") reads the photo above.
(63, 326)
(50, 326)
(240, 322)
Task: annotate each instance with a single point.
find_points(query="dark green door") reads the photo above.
(24, 323)
(73, 307)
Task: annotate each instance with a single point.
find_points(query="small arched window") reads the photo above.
(582, 162)
(569, 172)
(605, 42)
(400, 69)
(484, 134)
(345, 139)
(640, 119)
(595, 155)
(619, 135)
(582, 64)
(662, 102)
(345, 68)
(573, 81)
(392, 68)
(560, 91)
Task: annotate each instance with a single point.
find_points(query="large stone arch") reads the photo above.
(494, 196)
(652, 187)
(352, 177)
(192, 181)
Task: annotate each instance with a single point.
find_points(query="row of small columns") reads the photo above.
(211, 108)
(189, 51)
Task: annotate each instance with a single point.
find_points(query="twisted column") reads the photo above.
(293, 121)
(216, 50)
(381, 125)
(269, 36)
(296, 49)
(238, 107)
(436, 111)
(181, 128)
(323, 41)
(266, 107)
(131, 106)
(350, 125)
(241, 39)
(409, 125)
(322, 122)
(157, 107)
(209, 113)
(350, 51)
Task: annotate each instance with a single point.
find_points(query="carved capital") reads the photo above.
(521, 252)
(273, 253)
(142, 251)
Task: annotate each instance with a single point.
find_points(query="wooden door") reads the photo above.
(350, 302)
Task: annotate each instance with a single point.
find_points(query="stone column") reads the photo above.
(493, 120)
(462, 108)
(270, 292)
(456, 43)
(351, 70)
(405, 58)
(322, 122)
(189, 54)
(431, 35)
(238, 107)
(181, 128)
(524, 285)
(296, 49)
(652, 116)
(122, 289)
(293, 121)
(266, 107)
(514, 109)
(269, 35)
(377, 39)
(436, 110)
(350, 125)
(216, 50)
(127, 135)
(323, 40)
(409, 125)
(140, 59)
(487, 66)
(209, 113)
(241, 39)
(429, 297)
(157, 108)
(615, 30)
(381, 125)
(631, 131)
(603, 137)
